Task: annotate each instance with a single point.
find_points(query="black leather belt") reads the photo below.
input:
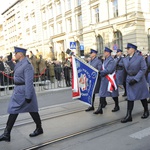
(119, 68)
(19, 83)
(132, 74)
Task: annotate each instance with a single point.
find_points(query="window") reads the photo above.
(68, 4)
(100, 45)
(69, 25)
(51, 30)
(34, 36)
(32, 18)
(149, 40)
(115, 8)
(79, 21)
(78, 2)
(96, 14)
(118, 40)
(50, 11)
(58, 6)
(59, 28)
(45, 34)
(43, 15)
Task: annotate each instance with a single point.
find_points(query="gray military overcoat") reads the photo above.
(23, 73)
(109, 68)
(120, 71)
(96, 63)
(136, 68)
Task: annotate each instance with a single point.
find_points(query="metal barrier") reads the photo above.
(41, 83)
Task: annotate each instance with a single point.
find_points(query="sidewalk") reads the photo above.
(63, 125)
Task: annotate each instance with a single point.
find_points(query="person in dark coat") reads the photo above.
(2, 68)
(136, 84)
(97, 64)
(23, 98)
(58, 72)
(9, 66)
(10, 62)
(108, 87)
(66, 70)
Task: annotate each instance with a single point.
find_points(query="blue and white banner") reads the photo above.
(86, 77)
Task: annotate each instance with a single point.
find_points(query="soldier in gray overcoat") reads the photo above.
(148, 74)
(23, 98)
(120, 71)
(136, 84)
(97, 64)
(108, 69)
(119, 67)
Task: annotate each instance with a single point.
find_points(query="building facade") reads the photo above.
(2, 49)
(52, 25)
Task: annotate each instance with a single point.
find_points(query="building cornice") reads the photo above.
(58, 35)
(11, 6)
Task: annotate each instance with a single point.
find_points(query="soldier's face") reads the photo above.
(119, 54)
(106, 54)
(18, 55)
(92, 55)
(130, 51)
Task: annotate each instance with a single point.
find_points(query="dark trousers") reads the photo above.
(12, 118)
(124, 85)
(130, 105)
(67, 80)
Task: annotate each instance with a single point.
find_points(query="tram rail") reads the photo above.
(72, 135)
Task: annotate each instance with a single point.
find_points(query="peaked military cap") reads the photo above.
(107, 50)
(119, 50)
(19, 49)
(130, 45)
(93, 51)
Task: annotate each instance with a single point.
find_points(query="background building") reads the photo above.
(2, 48)
(51, 26)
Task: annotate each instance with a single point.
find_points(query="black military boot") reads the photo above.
(146, 112)
(37, 131)
(128, 117)
(6, 135)
(100, 110)
(10, 122)
(104, 103)
(124, 95)
(116, 108)
(91, 108)
(37, 120)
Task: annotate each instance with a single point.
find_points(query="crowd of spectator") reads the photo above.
(44, 69)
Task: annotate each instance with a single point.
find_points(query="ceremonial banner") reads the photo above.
(84, 80)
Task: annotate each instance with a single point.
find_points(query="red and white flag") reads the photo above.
(75, 84)
(111, 81)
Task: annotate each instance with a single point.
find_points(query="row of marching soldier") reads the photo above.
(128, 71)
(24, 97)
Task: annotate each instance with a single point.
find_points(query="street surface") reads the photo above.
(63, 117)
(45, 98)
